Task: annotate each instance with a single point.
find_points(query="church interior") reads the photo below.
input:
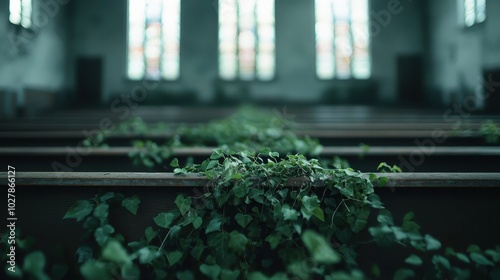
(250, 139)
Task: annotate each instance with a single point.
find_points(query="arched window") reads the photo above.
(246, 39)
(153, 39)
(342, 39)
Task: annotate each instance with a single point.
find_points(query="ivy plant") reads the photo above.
(263, 216)
(247, 129)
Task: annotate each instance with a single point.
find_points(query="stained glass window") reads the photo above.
(474, 11)
(246, 39)
(20, 12)
(153, 39)
(342, 39)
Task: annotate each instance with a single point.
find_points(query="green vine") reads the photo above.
(490, 131)
(266, 217)
(248, 129)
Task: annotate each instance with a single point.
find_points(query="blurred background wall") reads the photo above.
(421, 56)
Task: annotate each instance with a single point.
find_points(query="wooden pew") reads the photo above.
(331, 138)
(409, 158)
(316, 114)
(85, 123)
(456, 208)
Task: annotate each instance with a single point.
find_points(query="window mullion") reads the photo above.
(144, 40)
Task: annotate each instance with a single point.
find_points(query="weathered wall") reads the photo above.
(99, 29)
(37, 60)
(459, 55)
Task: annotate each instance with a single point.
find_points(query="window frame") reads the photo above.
(145, 78)
(237, 79)
(20, 25)
(335, 76)
(462, 14)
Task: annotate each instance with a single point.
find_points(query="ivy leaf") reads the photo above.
(432, 243)
(359, 220)
(289, 214)
(274, 239)
(348, 253)
(84, 254)
(101, 234)
(173, 257)
(107, 196)
(398, 233)
(441, 262)
(243, 220)
(414, 260)
(212, 164)
(217, 154)
(375, 201)
(179, 171)
(473, 249)
(463, 257)
(240, 190)
(352, 173)
(385, 217)
(283, 193)
(114, 252)
(173, 231)
(197, 222)
(214, 225)
(480, 259)
(382, 181)
(183, 204)
(95, 270)
(319, 248)
(274, 154)
(131, 204)
(309, 204)
(256, 194)
(174, 162)
(34, 264)
(212, 271)
(495, 255)
(101, 211)
(164, 219)
(264, 151)
(237, 241)
(80, 210)
(150, 234)
(408, 216)
(318, 213)
(197, 250)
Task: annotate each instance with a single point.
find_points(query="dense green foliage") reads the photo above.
(490, 131)
(265, 217)
(248, 129)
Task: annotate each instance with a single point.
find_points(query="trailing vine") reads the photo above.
(266, 217)
(248, 129)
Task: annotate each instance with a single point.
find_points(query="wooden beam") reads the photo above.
(326, 151)
(108, 179)
(81, 124)
(330, 134)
